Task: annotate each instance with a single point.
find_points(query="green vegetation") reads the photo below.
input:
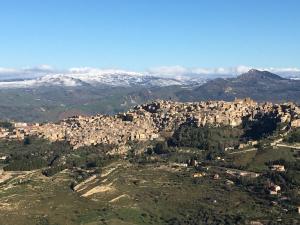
(6, 124)
(293, 136)
(258, 161)
(218, 138)
(150, 194)
(34, 153)
(150, 185)
(161, 148)
(208, 138)
(261, 127)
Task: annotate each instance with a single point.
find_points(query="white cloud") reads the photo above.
(184, 71)
(26, 72)
(219, 71)
(7, 70)
(89, 70)
(168, 70)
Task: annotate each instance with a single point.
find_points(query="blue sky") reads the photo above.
(143, 34)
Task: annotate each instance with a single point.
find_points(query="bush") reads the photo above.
(161, 148)
(26, 141)
(52, 170)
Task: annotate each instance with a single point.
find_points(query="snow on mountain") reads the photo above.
(48, 80)
(85, 76)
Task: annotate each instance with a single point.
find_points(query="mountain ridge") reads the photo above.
(259, 85)
(129, 79)
(81, 78)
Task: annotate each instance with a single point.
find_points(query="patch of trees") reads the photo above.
(34, 153)
(26, 164)
(90, 156)
(206, 216)
(6, 124)
(293, 137)
(208, 138)
(261, 127)
(216, 139)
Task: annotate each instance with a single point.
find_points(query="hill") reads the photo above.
(259, 85)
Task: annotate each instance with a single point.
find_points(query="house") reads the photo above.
(295, 123)
(180, 164)
(3, 157)
(252, 143)
(196, 175)
(18, 125)
(242, 145)
(255, 223)
(229, 182)
(192, 162)
(278, 168)
(228, 148)
(274, 189)
(216, 176)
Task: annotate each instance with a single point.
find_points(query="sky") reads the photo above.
(149, 35)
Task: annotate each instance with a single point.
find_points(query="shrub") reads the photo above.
(161, 148)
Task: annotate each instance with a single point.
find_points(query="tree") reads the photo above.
(27, 141)
(161, 148)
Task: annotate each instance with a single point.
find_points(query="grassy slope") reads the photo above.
(257, 161)
(154, 194)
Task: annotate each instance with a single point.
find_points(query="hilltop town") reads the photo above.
(197, 153)
(149, 121)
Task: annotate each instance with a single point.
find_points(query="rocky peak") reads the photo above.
(258, 75)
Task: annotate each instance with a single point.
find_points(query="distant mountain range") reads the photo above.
(53, 97)
(259, 85)
(116, 79)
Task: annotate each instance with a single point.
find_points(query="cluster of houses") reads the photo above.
(147, 121)
(101, 129)
(4, 132)
(19, 131)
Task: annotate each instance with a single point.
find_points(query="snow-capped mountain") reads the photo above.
(48, 80)
(81, 77)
